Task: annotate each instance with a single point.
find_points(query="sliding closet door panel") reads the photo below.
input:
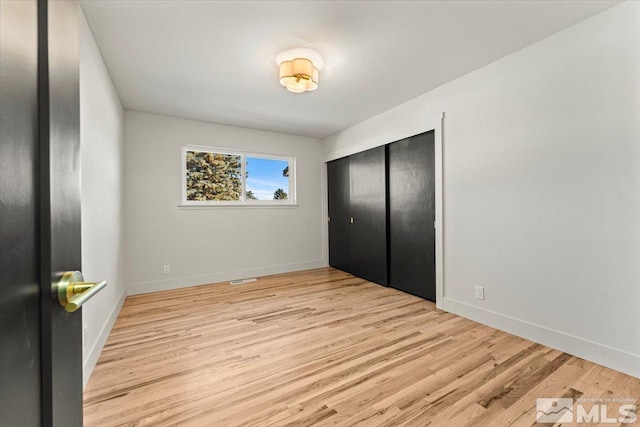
(368, 210)
(412, 215)
(338, 183)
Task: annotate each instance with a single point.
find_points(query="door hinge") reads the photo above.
(328, 219)
(434, 224)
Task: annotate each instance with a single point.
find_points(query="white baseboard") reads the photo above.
(91, 360)
(604, 355)
(185, 282)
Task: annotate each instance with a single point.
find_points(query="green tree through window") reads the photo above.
(213, 176)
(280, 194)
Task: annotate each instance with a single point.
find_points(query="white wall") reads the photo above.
(101, 130)
(207, 245)
(542, 188)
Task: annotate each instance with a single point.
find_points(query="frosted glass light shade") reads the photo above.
(298, 75)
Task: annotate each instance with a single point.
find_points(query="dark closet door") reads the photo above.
(338, 188)
(368, 211)
(412, 244)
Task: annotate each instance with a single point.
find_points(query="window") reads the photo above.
(219, 177)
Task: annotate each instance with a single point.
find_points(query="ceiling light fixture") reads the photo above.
(299, 75)
(298, 72)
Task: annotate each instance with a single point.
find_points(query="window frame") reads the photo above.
(290, 201)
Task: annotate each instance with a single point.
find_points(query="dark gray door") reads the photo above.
(41, 354)
(20, 348)
(368, 210)
(338, 182)
(412, 260)
(61, 224)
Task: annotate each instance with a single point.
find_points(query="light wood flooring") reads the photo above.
(322, 347)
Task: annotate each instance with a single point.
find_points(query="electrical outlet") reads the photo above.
(167, 269)
(479, 292)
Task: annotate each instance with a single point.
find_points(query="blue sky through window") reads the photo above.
(265, 177)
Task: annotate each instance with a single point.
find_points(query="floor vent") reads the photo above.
(241, 281)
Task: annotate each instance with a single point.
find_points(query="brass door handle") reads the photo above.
(73, 291)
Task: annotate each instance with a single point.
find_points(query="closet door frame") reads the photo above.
(435, 124)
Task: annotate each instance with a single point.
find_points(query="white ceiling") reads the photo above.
(214, 60)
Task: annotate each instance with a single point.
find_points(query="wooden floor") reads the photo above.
(322, 347)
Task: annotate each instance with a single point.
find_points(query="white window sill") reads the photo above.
(240, 206)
